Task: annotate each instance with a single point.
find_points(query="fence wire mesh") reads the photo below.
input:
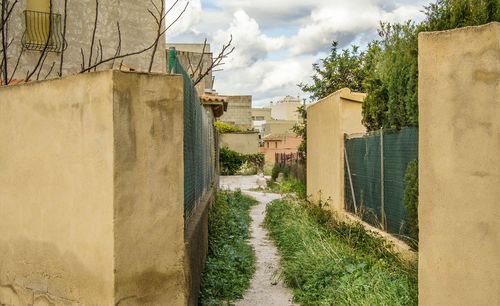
(378, 193)
(199, 142)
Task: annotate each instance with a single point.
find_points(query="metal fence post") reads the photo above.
(350, 181)
(382, 196)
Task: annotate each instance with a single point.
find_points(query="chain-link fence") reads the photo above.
(199, 142)
(375, 166)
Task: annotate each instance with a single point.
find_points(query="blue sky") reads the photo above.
(277, 41)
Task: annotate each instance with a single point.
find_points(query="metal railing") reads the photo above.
(199, 142)
(43, 32)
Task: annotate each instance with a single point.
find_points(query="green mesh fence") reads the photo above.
(199, 142)
(363, 167)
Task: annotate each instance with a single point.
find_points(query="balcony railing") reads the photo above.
(43, 32)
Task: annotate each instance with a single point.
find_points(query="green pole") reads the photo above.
(172, 57)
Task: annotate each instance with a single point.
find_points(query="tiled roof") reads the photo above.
(212, 98)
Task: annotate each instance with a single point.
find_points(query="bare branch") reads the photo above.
(17, 64)
(44, 47)
(61, 61)
(216, 62)
(50, 70)
(94, 30)
(83, 58)
(178, 17)
(119, 47)
(41, 66)
(159, 34)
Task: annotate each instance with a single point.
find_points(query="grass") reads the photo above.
(231, 260)
(329, 262)
(290, 185)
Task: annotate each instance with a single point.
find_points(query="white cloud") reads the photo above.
(188, 21)
(251, 45)
(278, 41)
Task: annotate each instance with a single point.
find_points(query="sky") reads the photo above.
(277, 41)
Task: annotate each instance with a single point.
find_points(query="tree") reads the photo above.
(300, 129)
(338, 70)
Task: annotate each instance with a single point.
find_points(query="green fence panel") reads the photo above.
(363, 159)
(199, 142)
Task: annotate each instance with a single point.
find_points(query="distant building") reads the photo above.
(279, 143)
(259, 117)
(38, 27)
(277, 127)
(239, 112)
(286, 109)
(189, 55)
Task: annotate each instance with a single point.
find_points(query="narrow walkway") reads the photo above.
(266, 289)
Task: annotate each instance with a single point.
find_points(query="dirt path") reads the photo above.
(265, 288)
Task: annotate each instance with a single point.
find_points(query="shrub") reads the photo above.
(411, 201)
(224, 127)
(231, 261)
(230, 161)
(330, 262)
(256, 162)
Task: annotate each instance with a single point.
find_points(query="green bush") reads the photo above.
(411, 202)
(329, 262)
(224, 127)
(231, 261)
(230, 161)
(256, 162)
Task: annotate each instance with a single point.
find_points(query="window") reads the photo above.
(40, 24)
(259, 118)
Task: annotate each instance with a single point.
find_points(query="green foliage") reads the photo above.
(329, 262)
(224, 127)
(411, 201)
(230, 161)
(388, 70)
(340, 69)
(300, 129)
(231, 262)
(256, 162)
(392, 78)
(277, 169)
(451, 14)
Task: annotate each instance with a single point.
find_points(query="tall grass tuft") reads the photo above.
(231, 260)
(329, 262)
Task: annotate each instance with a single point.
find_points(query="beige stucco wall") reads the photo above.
(278, 127)
(239, 111)
(91, 191)
(286, 109)
(138, 31)
(327, 122)
(459, 211)
(244, 143)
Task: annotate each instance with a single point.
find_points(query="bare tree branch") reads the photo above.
(87, 69)
(17, 64)
(94, 30)
(216, 62)
(119, 47)
(44, 47)
(50, 70)
(61, 61)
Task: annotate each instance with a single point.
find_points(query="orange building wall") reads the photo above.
(286, 144)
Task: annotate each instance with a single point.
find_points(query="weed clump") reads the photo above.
(330, 262)
(231, 261)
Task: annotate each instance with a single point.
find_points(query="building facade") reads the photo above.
(196, 58)
(71, 32)
(286, 109)
(239, 112)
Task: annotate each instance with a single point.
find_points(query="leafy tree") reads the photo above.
(338, 70)
(300, 129)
